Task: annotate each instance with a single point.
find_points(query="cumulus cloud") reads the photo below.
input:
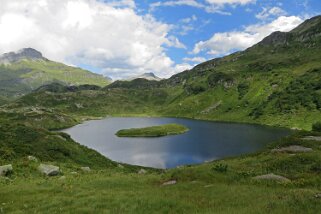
(227, 42)
(267, 13)
(194, 59)
(109, 36)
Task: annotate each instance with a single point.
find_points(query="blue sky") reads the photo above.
(122, 38)
(203, 25)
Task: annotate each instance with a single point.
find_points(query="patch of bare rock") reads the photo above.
(293, 149)
(272, 177)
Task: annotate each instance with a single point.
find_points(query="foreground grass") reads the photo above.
(153, 131)
(224, 186)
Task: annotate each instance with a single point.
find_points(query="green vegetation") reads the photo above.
(316, 127)
(224, 186)
(276, 82)
(24, 76)
(153, 131)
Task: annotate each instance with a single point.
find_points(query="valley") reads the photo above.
(276, 82)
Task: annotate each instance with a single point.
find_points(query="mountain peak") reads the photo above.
(25, 53)
(306, 32)
(147, 76)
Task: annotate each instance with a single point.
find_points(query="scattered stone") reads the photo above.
(172, 182)
(273, 177)
(120, 166)
(318, 195)
(293, 148)
(32, 158)
(142, 171)
(74, 173)
(49, 170)
(207, 186)
(314, 138)
(62, 178)
(6, 170)
(85, 169)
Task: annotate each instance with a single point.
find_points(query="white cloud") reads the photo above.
(110, 36)
(226, 42)
(195, 59)
(191, 3)
(210, 6)
(270, 12)
(241, 2)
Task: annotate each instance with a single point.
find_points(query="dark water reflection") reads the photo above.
(205, 140)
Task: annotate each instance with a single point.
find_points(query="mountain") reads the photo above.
(27, 69)
(147, 76)
(275, 82)
(23, 54)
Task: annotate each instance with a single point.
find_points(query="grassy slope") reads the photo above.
(200, 189)
(275, 83)
(153, 131)
(24, 76)
(250, 86)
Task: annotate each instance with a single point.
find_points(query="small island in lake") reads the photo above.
(153, 131)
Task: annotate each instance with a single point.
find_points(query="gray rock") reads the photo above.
(273, 177)
(172, 182)
(49, 170)
(120, 166)
(318, 195)
(85, 169)
(62, 178)
(293, 148)
(32, 158)
(314, 138)
(142, 171)
(5, 170)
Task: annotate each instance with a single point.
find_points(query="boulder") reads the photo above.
(142, 171)
(85, 169)
(272, 177)
(293, 149)
(172, 182)
(314, 138)
(62, 178)
(32, 158)
(318, 195)
(6, 170)
(49, 170)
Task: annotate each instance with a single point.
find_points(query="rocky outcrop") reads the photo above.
(49, 170)
(313, 138)
(6, 170)
(26, 53)
(32, 158)
(85, 169)
(142, 171)
(172, 182)
(293, 149)
(272, 177)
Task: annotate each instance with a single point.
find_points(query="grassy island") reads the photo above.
(153, 131)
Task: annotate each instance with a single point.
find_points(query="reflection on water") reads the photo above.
(205, 140)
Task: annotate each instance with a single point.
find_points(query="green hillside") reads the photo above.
(20, 73)
(276, 82)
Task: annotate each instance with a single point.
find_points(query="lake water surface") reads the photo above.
(204, 142)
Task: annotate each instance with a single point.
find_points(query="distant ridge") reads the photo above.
(147, 76)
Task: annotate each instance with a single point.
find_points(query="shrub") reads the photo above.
(220, 168)
(316, 127)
